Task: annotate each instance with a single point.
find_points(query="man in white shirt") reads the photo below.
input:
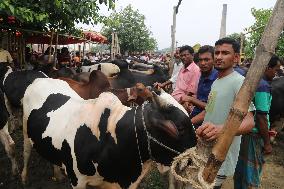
(177, 66)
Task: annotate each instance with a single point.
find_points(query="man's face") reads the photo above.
(205, 62)
(271, 72)
(186, 57)
(177, 55)
(225, 57)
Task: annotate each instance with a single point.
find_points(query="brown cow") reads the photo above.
(99, 83)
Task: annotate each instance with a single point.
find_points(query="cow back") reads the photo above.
(276, 109)
(17, 82)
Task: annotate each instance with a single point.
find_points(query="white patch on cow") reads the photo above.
(171, 101)
(7, 73)
(108, 69)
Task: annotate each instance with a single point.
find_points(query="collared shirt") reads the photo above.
(203, 90)
(187, 81)
(5, 56)
(177, 67)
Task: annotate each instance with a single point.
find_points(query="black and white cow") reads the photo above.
(100, 142)
(5, 137)
(14, 85)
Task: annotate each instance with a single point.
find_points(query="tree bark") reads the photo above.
(263, 53)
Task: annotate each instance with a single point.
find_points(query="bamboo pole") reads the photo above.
(173, 36)
(55, 51)
(49, 54)
(263, 54)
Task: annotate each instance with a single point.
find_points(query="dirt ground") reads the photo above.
(40, 171)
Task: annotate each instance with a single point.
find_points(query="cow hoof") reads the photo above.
(15, 170)
(24, 179)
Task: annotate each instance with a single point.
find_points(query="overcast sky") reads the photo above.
(196, 21)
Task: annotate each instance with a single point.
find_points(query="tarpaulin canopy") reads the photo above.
(65, 40)
(45, 39)
(95, 37)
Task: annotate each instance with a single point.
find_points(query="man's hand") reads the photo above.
(208, 131)
(161, 85)
(187, 106)
(185, 98)
(267, 148)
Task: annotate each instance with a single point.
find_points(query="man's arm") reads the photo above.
(261, 120)
(194, 101)
(209, 131)
(198, 118)
(246, 125)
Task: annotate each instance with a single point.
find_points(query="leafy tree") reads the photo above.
(132, 32)
(261, 19)
(54, 14)
(237, 37)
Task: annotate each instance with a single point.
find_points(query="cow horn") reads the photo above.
(158, 100)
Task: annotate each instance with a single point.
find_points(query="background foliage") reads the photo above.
(61, 15)
(132, 32)
(261, 19)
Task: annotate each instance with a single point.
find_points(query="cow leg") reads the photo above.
(57, 174)
(147, 167)
(26, 153)
(9, 145)
(12, 119)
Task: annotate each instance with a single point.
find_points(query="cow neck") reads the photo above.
(143, 152)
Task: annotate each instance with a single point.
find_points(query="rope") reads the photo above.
(139, 152)
(188, 166)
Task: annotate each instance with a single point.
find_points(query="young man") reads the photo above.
(223, 92)
(177, 67)
(188, 76)
(257, 143)
(208, 76)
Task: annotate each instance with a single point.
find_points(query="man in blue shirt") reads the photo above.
(257, 143)
(208, 76)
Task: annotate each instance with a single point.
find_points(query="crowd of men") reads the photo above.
(207, 89)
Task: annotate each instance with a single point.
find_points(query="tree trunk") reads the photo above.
(263, 54)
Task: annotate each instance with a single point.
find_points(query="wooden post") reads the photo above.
(49, 54)
(173, 32)
(264, 51)
(55, 51)
(84, 47)
(242, 46)
(223, 22)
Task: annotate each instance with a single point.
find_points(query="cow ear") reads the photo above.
(168, 127)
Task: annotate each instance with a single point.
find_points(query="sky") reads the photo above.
(196, 21)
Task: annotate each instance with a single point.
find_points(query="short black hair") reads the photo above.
(227, 40)
(206, 48)
(273, 61)
(186, 47)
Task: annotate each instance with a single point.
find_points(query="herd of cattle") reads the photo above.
(102, 126)
(91, 129)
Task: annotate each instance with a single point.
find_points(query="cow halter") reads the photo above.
(149, 137)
